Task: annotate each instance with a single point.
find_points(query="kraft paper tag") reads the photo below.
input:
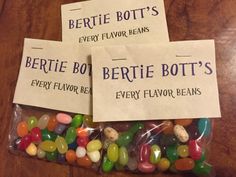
(155, 81)
(106, 22)
(54, 75)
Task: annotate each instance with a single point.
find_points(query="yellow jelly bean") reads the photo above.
(94, 145)
(113, 152)
(48, 146)
(182, 151)
(31, 149)
(163, 164)
(61, 145)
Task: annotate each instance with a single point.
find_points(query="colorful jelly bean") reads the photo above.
(202, 168)
(107, 165)
(181, 133)
(80, 151)
(204, 126)
(48, 146)
(195, 150)
(184, 164)
(52, 123)
(123, 156)
(167, 127)
(193, 131)
(61, 158)
(113, 152)
(77, 121)
(84, 162)
(22, 129)
(61, 145)
(155, 155)
(70, 135)
(36, 135)
(25, 142)
(144, 153)
(183, 122)
(60, 128)
(132, 163)
(171, 153)
(63, 118)
(111, 133)
(47, 135)
(163, 164)
(31, 149)
(82, 132)
(43, 121)
(52, 156)
(73, 145)
(183, 151)
(146, 167)
(94, 145)
(71, 156)
(94, 156)
(40, 153)
(82, 141)
(168, 139)
(32, 122)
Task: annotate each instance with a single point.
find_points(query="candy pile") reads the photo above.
(145, 146)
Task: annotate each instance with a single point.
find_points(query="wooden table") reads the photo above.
(187, 20)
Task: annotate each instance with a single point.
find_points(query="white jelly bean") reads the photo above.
(111, 133)
(94, 156)
(80, 151)
(181, 133)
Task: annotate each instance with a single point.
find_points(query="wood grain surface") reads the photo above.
(187, 20)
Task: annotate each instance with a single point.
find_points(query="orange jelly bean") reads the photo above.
(71, 156)
(183, 122)
(52, 123)
(184, 164)
(167, 127)
(22, 129)
(82, 132)
(84, 162)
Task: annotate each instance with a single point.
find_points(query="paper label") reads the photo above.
(155, 81)
(54, 75)
(107, 22)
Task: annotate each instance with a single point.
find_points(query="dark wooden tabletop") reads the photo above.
(187, 20)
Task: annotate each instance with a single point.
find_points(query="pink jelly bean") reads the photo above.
(63, 118)
(144, 153)
(195, 150)
(82, 141)
(25, 142)
(146, 167)
(36, 135)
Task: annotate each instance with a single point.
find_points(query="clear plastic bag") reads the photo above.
(58, 137)
(176, 146)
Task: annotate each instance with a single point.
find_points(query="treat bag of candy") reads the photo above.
(55, 136)
(177, 146)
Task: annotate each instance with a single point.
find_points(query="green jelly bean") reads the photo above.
(32, 122)
(51, 156)
(47, 135)
(155, 155)
(48, 146)
(77, 120)
(61, 145)
(107, 165)
(94, 145)
(126, 137)
(123, 156)
(171, 153)
(70, 135)
(113, 152)
(202, 168)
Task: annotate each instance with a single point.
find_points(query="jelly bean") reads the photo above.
(70, 135)
(61, 145)
(126, 138)
(61, 158)
(111, 133)
(113, 152)
(203, 157)
(36, 134)
(168, 139)
(51, 156)
(82, 132)
(202, 168)
(43, 121)
(155, 155)
(123, 156)
(94, 156)
(153, 139)
(31, 149)
(181, 133)
(107, 165)
(167, 127)
(153, 126)
(72, 145)
(144, 153)
(88, 121)
(193, 131)
(182, 151)
(25, 142)
(48, 146)
(80, 151)
(77, 121)
(84, 162)
(171, 153)
(132, 164)
(195, 150)
(184, 164)
(146, 167)
(40, 153)
(94, 145)
(106, 143)
(47, 135)
(163, 164)
(32, 122)
(121, 126)
(82, 141)
(204, 126)
(52, 123)
(183, 122)
(60, 128)
(63, 118)
(71, 156)
(22, 129)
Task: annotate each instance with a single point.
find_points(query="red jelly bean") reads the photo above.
(25, 142)
(144, 153)
(195, 150)
(146, 167)
(82, 141)
(36, 135)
